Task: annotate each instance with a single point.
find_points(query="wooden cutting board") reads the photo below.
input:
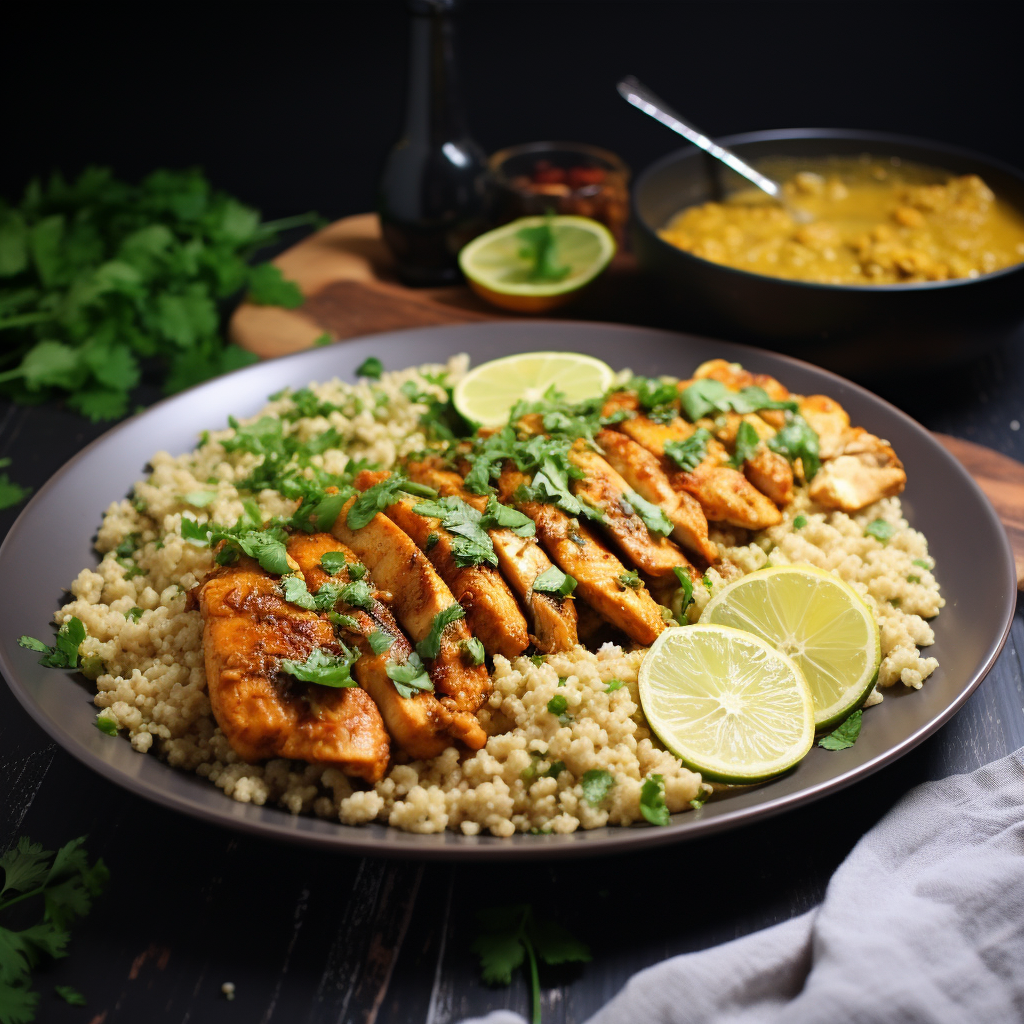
(347, 277)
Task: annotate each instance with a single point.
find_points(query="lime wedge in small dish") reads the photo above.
(504, 266)
(487, 393)
(727, 703)
(815, 618)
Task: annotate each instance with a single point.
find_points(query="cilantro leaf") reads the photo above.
(358, 594)
(64, 653)
(845, 734)
(370, 367)
(380, 642)
(881, 530)
(707, 395)
(558, 705)
(653, 516)
(652, 800)
(685, 598)
(797, 440)
(554, 581)
(596, 785)
(430, 645)
(613, 685)
(474, 651)
(471, 544)
(295, 592)
(921, 564)
(410, 676)
(373, 500)
(106, 724)
(799, 522)
(689, 454)
(332, 562)
(323, 668)
(70, 995)
(269, 287)
(630, 579)
(653, 393)
(268, 549)
(747, 441)
(498, 515)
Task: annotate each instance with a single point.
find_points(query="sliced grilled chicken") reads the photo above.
(248, 629)
(598, 573)
(491, 611)
(829, 420)
(419, 724)
(418, 595)
(642, 471)
(724, 493)
(768, 471)
(605, 489)
(520, 559)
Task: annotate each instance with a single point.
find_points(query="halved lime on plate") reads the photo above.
(727, 703)
(499, 267)
(487, 393)
(815, 618)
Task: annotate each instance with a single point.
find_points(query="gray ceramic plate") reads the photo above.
(52, 540)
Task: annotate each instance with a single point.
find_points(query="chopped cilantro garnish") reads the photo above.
(652, 800)
(268, 549)
(708, 585)
(430, 645)
(295, 592)
(913, 579)
(558, 704)
(797, 440)
(323, 668)
(613, 685)
(652, 515)
(473, 650)
(799, 522)
(537, 659)
(689, 454)
(199, 499)
(370, 367)
(106, 724)
(700, 799)
(880, 529)
(470, 544)
(64, 653)
(332, 562)
(921, 564)
(686, 588)
(343, 621)
(432, 539)
(134, 614)
(707, 395)
(845, 734)
(595, 785)
(554, 581)
(747, 441)
(631, 579)
(409, 677)
(358, 594)
(373, 500)
(652, 393)
(128, 546)
(380, 642)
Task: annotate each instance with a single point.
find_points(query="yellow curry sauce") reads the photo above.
(880, 224)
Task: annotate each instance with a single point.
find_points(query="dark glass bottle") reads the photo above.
(435, 191)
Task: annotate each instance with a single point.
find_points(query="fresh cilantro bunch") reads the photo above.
(97, 274)
(67, 884)
(509, 936)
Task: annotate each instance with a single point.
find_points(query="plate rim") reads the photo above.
(368, 839)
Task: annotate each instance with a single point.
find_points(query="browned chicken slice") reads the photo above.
(598, 573)
(491, 611)
(520, 559)
(248, 629)
(642, 471)
(418, 724)
(603, 488)
(768, 471)
(418, 595)
(857, 468)
(724, 493)
(867, 471)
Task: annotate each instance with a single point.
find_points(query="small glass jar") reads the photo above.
(565, 177)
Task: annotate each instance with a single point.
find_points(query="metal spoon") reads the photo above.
(643, 99)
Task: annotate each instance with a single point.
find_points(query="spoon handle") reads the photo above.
(643, 99)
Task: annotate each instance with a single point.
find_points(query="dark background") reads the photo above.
(293, 106)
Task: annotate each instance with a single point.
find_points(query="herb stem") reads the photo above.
(285, 223)
(23, 896)
(534, 977)
(25, 319)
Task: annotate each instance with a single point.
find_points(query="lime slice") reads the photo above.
(487, 393)
(729, 704)
(497, 268)
(816, 619)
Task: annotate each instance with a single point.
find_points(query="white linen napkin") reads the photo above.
(923, 922)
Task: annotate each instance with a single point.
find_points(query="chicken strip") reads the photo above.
(768, 471)
(642, 471)
(248, 630)
(829, 420)
(603, 488)
(598, 573)
(419, 724)
(724, 493)
(520, 559)
(491, 611)
(418, 596)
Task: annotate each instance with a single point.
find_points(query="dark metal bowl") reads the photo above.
(857, 330)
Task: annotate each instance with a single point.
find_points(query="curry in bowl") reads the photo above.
(868, 221)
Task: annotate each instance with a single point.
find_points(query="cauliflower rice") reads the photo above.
(151, 681)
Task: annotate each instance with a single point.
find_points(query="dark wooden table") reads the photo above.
(311, 937)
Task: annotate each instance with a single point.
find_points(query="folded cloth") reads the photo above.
(923, 922)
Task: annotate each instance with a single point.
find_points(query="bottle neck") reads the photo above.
(434, 113)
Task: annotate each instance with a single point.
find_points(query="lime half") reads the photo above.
(499, 268)
(727, 703)
(487, 393)
(815, 618)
